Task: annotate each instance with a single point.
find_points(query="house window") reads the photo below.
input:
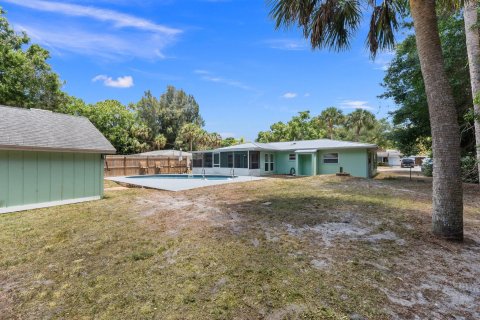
(385, 160)
(197, 160)
(292, 157)
(330, 158)
(254, 159)
(207, 160)
(241, 159)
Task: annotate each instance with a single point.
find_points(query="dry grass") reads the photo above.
(110, 184)
(311, 248)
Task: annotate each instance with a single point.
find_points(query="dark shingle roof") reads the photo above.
(34, 129)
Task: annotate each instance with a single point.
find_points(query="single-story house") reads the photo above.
(303, 158)
(48, 159)
(389, 157)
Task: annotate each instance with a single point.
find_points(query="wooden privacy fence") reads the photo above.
(139, 165)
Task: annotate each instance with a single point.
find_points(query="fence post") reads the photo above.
(168, 164)
(124, 165)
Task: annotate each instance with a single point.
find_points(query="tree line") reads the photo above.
(360, 125)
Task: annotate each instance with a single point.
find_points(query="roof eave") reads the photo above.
(47, 149)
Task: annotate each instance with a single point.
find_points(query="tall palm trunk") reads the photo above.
(447, 215)
(470, 16)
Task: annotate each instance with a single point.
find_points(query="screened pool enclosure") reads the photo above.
(249, 160)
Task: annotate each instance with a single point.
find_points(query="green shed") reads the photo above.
(49, 159)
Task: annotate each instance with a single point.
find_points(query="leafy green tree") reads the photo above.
(472, 35)
(116, 122)
(300, 127)
(332, 23)
(168, 114)
(26, 78)
(231, 141)
(404, 84)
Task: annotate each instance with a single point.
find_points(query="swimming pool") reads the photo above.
(179, 182)
(183, 176)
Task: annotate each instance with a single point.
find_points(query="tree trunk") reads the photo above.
(447, 215)
(470, 16)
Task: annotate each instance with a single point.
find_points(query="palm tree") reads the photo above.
(159, 141)
(332, 23)
(358, 120)
(332, 117)
(472, 33)
(214, 140)
(189, 133)
(447, 216)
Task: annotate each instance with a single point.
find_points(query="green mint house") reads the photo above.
(48, 159)
(303, 158)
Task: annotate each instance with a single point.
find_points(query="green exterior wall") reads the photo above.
(28, 177)
(284, 164)
(353, 161)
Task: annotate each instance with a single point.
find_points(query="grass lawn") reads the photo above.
(307, 248)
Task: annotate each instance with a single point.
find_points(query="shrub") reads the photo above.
(469, 169)
(427, 167)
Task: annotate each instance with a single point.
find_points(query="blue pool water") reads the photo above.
(183, 176)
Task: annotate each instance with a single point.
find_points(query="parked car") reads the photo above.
(407, 163)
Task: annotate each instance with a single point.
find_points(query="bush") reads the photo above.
(469, 169)
(427, 167)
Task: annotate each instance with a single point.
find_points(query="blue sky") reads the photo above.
(244, 74)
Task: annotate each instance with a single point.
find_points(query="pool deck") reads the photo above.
(179, 184)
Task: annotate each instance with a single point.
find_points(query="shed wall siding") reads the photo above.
(28, 177)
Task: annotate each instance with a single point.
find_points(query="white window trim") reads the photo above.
(338, 158)
(271, 160)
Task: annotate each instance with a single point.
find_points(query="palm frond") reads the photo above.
(332, 23)
(383, 25)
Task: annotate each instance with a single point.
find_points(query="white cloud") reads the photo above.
(98, 32)
(200, 71)
(289, 95)
(207, 76)
(119, 20)
(120, 82)
(287, 44)
(355, 104)
(92, 43)
(227, 135)
(382, 61)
